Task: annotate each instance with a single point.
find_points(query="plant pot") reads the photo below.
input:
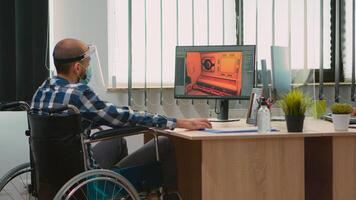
(295, 123)
(341, 121)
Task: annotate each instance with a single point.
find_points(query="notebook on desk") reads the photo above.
(235, 130)
(328, 117)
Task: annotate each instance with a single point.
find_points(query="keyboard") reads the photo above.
(328, 117)
(278, 118)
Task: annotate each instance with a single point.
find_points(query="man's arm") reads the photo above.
(103, 113)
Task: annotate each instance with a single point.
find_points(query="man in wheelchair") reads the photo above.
(72, 59)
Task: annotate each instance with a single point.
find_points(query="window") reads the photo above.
(347, 41)
(157, 27)
(296, 26)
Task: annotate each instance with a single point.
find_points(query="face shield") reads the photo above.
(90, 60)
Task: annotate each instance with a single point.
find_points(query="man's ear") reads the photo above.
(77, 68)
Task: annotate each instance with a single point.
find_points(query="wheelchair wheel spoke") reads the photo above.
(18, 191)
(15, 183)
(113, 193)
(9, 195)
(84, 193)
(80, 193)
(28, 194)
(23, 183)
(104, 189)
(75, 198)
(96, 191)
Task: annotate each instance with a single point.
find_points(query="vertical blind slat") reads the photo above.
(193, 41)
(353, 52)
(177, 22)
(177, 30)
(207, 28)
(256, 34)
(223, 21)
(208, 21)
(145, 93)
(193, 24)
(273, 22)
(290, 33)
(337, 48)
(240, 24)
(161, 51)
(321, 67)
(129, 83)
(305, 34)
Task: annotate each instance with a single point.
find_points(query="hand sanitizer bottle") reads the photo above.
(263, 117)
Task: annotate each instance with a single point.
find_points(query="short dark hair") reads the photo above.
(63, 68)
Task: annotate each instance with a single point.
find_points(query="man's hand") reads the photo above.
(193, 124)
(353, 112)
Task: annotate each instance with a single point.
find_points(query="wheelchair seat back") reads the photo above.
(57, 151)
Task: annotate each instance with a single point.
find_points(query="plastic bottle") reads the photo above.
(263, 117)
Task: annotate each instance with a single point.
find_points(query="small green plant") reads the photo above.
(318, 108)
(295, 103)
(341, 108)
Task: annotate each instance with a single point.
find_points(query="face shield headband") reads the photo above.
(86, 54)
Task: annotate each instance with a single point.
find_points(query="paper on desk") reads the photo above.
(235, 130)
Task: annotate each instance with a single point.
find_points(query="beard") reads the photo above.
(82, 76)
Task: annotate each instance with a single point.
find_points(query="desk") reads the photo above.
(318, 163)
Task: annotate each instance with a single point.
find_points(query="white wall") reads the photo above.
(87, 20)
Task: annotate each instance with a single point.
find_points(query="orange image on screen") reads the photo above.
(213, 73)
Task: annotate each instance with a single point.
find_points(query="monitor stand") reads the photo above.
(223, 115)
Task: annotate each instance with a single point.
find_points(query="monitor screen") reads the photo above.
(214, 72)
(281, 72)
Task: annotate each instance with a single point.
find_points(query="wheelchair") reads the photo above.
(62, 167)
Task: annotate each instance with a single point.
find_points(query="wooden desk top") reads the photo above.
(312, 128)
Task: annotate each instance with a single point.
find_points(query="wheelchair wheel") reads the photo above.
(98, 184)
(16, 184)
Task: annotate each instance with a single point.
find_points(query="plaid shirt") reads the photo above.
(57, 91)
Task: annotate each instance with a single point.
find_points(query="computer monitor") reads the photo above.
(281, 71)
(215, 72)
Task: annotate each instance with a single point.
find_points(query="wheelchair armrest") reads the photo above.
(123, 131)
(13, 105)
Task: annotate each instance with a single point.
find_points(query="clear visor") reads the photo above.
(90, 52)
(97, 79)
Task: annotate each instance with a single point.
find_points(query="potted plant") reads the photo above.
(341, 113)
(294, 105)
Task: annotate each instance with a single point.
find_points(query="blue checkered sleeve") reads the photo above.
(57, 91)
(104, 113)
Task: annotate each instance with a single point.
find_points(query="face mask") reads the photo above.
(87, 76)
